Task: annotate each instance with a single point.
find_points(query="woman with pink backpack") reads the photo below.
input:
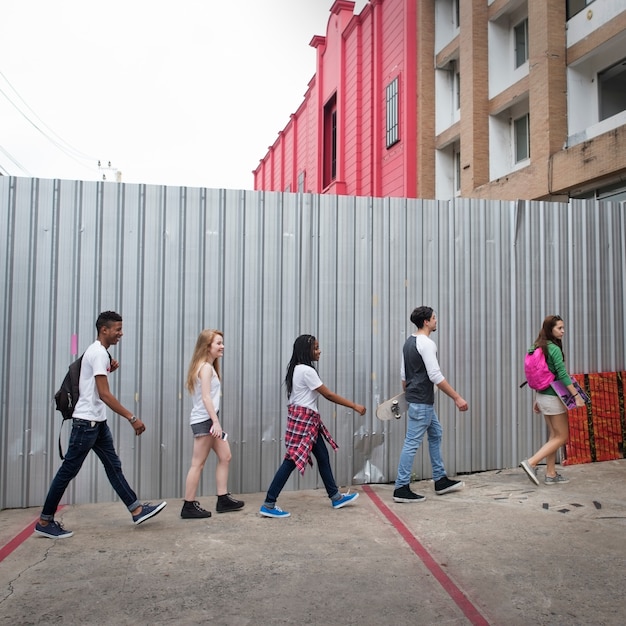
(547, 401)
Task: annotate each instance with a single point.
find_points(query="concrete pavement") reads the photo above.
(501, 551)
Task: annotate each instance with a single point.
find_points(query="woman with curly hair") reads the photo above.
(305, 430)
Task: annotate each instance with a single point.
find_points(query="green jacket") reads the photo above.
(557, 366)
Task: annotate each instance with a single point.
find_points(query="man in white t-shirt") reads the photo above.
(91, 432)
(420, 372)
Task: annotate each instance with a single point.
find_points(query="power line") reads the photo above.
(50, 139)
(67, 146)
(70, 151)
(14, 160)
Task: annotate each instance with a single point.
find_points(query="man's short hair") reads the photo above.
(106, 318)
(420, 315)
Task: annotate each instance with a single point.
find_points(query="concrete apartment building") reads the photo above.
(529, 98)
(498, 99)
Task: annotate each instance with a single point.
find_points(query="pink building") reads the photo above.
(356, 131)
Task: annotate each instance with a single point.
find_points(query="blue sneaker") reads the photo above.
(52, 530)
(148, 511)
(346, 498)
(275, 511)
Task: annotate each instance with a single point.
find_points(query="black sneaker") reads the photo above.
(227, 503)
(445, 485)
(404, 494)
(193, 510)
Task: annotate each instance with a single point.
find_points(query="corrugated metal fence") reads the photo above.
(264, 268)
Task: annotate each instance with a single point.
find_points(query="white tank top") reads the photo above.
(198, 411)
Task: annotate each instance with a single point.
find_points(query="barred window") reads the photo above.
(393, 115)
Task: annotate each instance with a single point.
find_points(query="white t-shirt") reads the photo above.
(95, 362)
(305, 381)
(198, 411)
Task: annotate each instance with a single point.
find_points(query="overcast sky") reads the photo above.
(178, 93)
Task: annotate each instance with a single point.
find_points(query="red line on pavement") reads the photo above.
(19, 539)
(469, 610)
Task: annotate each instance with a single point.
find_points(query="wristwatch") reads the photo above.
(133, 419)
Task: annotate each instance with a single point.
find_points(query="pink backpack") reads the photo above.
(536, 370)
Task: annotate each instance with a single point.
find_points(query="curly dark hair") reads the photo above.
(106, 318)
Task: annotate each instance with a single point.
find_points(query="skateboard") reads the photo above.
(394, 407)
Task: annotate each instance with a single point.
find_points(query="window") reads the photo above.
(509, 140)
(576, 6)
(521, 43)
(521, 138)
(508, 43)
(301, 181)
(330, 141)
(447, 95)
(447, 21)
(610, 193)
(457, 170)
(612, 90)
(392, 100)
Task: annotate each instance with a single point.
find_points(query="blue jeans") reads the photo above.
(320, 452)
(422, 419)
(84, 438)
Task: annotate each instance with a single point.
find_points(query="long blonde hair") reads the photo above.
(203, 343)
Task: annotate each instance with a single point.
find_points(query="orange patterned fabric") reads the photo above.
(598, 431)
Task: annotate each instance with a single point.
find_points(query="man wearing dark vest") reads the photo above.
(420, 373)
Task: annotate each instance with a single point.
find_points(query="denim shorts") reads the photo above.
(550, 405)
(202, 429)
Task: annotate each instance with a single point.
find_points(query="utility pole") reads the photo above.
(115, 174)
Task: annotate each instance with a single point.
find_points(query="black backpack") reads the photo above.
(66, 397)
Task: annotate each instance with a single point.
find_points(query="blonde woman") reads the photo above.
(203, 383)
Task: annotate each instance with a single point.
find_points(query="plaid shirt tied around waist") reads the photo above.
(303, 427)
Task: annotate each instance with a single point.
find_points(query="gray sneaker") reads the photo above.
(554, 480)
(531, 472)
